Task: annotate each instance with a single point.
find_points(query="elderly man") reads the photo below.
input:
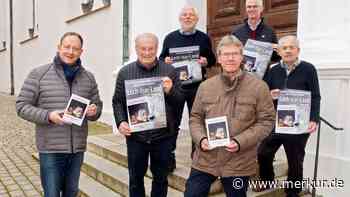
(255, 28)
(290, 73)
(155, 144)
(246, 103)
(42, 99)
(188, 36)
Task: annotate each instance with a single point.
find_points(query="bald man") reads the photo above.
(155, 144)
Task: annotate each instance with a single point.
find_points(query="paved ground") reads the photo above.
(19, 172)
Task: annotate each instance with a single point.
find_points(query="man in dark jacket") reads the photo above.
(188, 36)
(42, 99)
(290, 73)
(153, 143)
(255, 28)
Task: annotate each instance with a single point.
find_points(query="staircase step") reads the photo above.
(113, 148)
(88, 187)
(114, 176)
(91, 188)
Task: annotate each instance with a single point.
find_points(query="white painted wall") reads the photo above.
(4, 55)
(325, 42)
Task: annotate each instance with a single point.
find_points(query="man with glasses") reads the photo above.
(246, 103)
(42, 99)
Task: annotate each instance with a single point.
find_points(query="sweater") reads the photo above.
(303, 77)
(199, 38)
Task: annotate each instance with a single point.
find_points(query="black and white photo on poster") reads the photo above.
(187, 57)
(257, 57)
(145, 104)
(217, 131)
(293, 111)
(76, 110)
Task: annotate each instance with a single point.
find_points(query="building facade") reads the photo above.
(109, 29)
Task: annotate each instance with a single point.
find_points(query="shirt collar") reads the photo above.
(252, 27)
(285, 66)
(187, 33)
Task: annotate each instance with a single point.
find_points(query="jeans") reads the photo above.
(138, 155)
(59, 173)
(198, 184)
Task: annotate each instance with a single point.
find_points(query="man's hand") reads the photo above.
(167, 84)
(205, 144)
(203, 61)
(56, 118)
(312, 126)
(124, 128)
(168, 60)
(275, 93)
(232, 147)
(91, 110)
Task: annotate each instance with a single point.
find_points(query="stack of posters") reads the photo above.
(257, 56)
(217, 131)
(185, 61)
(76, 110)
(293, 111)
(145, 104)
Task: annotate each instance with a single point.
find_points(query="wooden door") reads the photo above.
(224, 15)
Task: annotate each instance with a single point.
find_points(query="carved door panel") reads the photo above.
(225, 15)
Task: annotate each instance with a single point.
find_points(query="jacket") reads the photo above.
(136, 70)
(46, 89)
(247, 104)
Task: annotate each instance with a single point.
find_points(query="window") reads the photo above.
(29, 19)
(4, 28)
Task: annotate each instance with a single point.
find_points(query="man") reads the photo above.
(290, 73)
(42, 99)
(255, 28)
(248, 107)
(154, 143)
(187, 36)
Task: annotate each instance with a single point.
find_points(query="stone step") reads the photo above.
(113, 148)
(91, 188)
(88, 187)
(115, 176)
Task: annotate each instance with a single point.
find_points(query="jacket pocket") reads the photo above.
(210, 105)
(245, 108)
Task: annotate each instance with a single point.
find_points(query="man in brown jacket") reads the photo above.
(246, 103)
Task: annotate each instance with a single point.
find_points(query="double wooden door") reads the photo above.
(225, 15)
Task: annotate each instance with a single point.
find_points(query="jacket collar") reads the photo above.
(229, 84)
(143, 67)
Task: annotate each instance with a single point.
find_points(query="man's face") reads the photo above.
(253, 9)
(70, 49)
(146, 50)
(230, 58)
(188, 19)
(289, 51)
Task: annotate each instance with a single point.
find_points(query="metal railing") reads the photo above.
(318, 149)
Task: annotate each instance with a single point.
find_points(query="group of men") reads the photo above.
(248, 103)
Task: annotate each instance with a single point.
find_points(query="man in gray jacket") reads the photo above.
(42, 99)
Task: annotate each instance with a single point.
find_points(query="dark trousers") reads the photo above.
(138, 155)
(198, 184)
(59, 173)
(189, 94)
(294, 146)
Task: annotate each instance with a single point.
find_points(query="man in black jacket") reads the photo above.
(153, 143)
(290, 73)
(188, 36)
(255, 28)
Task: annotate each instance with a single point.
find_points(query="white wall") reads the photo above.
(325, 42)
(4, 55)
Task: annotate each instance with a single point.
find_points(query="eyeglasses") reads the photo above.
(71, 48)
(228, 55)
